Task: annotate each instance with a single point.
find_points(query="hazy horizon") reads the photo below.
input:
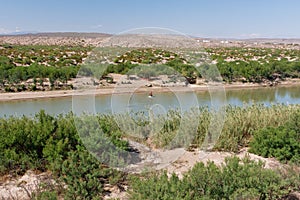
(86, 32)
(199, 18)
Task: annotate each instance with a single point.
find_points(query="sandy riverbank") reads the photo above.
(127, 89)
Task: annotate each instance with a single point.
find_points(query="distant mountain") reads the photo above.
(53, 38)
(58, 34)
(95, 39)
(19, 33)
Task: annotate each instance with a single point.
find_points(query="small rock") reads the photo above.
(293, 196)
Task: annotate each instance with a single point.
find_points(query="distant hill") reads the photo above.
(54, 38)
(57, 34)
(95, 39)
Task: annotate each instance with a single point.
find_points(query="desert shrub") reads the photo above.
(281, 143)
(84, 175)
(235, 179)
(47, 142)
(22, 141)
(45, 195)
(154, 186)
(61, 142)
(43, 141)
(294, 121)
(19, 63)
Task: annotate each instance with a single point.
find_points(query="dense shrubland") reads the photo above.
(45, 142)
(39, 67)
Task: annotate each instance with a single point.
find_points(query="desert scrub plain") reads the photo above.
(42, 68)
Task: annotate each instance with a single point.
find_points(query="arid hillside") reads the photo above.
(94, 39)
(68, 38)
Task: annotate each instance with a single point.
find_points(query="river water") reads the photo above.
(161, 102)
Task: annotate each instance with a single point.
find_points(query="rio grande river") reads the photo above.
(164, 101)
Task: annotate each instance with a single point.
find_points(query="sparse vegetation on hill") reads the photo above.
(39, 67)
(30, 68)
(165, 59)
(256, 64)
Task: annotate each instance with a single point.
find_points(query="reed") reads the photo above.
(177, 129)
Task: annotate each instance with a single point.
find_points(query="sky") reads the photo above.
(202, 18)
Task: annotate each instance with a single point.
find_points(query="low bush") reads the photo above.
(52, 143)
(84, 175)
(236, 179)
(281, 142)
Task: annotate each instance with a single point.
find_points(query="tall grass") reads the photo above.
(241, 122)
(176, 129)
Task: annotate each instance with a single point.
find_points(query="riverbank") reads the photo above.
(125, 89)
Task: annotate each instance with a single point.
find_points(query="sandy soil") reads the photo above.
(113, 89)
(189, 159)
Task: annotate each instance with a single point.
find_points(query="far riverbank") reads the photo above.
(114, 89)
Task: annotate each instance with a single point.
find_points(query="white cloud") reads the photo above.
(96, 26)
(8, 31)
(251, 35)
(4, 31)
(17, 29)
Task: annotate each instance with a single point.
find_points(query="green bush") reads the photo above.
(52, 143)
(19, 63)
(84, 175)
(45, 195)
(43, 140)
(236, 179)
(281, 143)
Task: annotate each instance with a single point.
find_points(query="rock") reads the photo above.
(23, 187)
(293, 196)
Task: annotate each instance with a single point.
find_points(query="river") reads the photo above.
(141, 102)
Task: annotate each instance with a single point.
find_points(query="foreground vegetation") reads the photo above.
(51, 143)
(47, 143)
(235, 179)
(238, 179)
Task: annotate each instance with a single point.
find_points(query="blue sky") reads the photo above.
(206, 18)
